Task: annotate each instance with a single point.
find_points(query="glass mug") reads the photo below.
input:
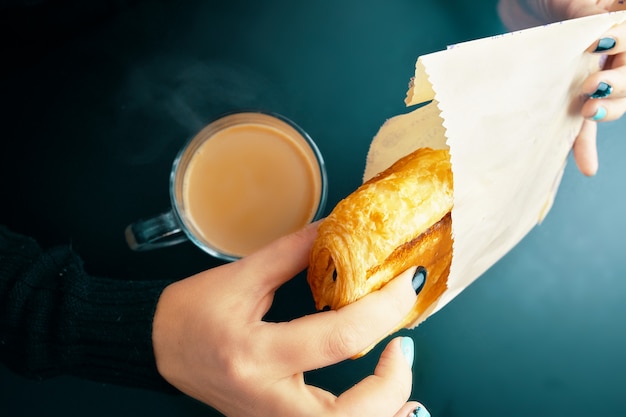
(244, 180)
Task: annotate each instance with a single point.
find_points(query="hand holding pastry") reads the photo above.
(211, 342)
(401, 218)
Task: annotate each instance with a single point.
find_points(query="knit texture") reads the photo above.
(56, 319)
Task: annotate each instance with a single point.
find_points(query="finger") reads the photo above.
(585, 151)
(413, 409)
(606, 85)
(253, 280)
(323, 339)
(605, 46)
(387, 390)
(616, 61)
(273, 265)
(604, 110)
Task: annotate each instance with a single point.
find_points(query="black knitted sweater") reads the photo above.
(56, 319)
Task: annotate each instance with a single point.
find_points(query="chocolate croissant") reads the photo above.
(398, 219)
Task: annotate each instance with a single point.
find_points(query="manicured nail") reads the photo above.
(605, 44)
(408, 350)
(420, 412)
(604, 90)
(419, 279)
(600, 114)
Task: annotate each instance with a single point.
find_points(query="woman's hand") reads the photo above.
(606, 89)
(211, 342)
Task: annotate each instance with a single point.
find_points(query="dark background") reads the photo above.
(97, 98)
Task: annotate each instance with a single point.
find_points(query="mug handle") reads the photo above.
(156, 232)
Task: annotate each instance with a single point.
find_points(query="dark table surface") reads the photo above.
(94, 109)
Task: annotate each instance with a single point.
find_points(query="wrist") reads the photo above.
(174, 333)
(164, 334)
(180, 338)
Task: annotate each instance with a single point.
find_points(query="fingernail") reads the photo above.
(605, 44)
(419, 279)
(600, 114)
(408, 350)
(604, 90)
(420, 412)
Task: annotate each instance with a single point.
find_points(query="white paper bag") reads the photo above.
(508, 108)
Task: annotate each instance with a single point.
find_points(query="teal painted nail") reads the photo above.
(419, 279)
(420, 412)
(600, 114)
(408, 350)
(605, 44)
(604, 90)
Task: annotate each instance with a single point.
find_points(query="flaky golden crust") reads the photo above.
(398, 219)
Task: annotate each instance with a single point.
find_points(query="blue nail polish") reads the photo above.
(604, 90)
(605, 44)
(408, 350)
(420, 412)
(600, 114)
(419, 279)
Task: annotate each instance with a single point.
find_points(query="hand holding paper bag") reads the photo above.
(508, 108)
(511, 110)
(511, 115)
(607, 87)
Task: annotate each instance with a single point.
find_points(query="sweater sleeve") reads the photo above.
(56, 319)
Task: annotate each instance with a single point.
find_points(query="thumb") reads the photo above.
(279, 261)
(387, 391)
(396, 361)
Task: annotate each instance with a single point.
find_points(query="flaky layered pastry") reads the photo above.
(399, 219)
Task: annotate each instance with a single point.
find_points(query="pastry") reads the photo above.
(399, 219)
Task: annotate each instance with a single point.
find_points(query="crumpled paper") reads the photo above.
(508, 108)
